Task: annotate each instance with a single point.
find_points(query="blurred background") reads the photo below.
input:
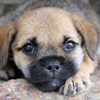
(96, 6)
(6, 5)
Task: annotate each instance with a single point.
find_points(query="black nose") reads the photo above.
(53, 66)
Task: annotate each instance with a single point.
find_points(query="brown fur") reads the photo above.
(50, 25)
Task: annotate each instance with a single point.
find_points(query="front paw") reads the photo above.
(6, 74)
(75, 85)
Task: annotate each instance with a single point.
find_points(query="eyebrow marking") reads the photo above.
(65, 39)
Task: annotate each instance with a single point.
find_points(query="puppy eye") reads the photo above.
(70, 45)
(28, 48)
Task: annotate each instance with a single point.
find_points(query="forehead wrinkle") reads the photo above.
(53, 34)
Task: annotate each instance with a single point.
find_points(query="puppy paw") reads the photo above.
(75, 85)
(4, 74)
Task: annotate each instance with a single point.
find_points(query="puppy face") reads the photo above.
(47, 48)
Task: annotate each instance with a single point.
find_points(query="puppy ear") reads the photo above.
(6, 34)
(89, 34)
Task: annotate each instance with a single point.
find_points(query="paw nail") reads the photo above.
(78, 89)
(76, 84)
(86, 84)
(62, 90)
(69, 86)
(70, 90)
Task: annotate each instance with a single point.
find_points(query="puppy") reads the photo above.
(54, 45)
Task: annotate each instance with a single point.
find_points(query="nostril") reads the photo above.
(53, 66)
(49, 67)
(57, 67)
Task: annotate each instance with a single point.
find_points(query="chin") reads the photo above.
(50, 85)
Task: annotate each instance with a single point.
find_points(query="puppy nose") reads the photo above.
(53, 66)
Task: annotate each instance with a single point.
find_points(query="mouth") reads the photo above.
(50, 85)
(50, 73)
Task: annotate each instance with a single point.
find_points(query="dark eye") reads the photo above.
(28, 48)
(69, 45)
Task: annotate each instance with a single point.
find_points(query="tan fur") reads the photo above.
(50, 25)
(6, 33)
(46, 30)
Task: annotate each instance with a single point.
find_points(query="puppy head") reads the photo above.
(47, 47)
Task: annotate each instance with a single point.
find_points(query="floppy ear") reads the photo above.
(6, 34)
(89, 34)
